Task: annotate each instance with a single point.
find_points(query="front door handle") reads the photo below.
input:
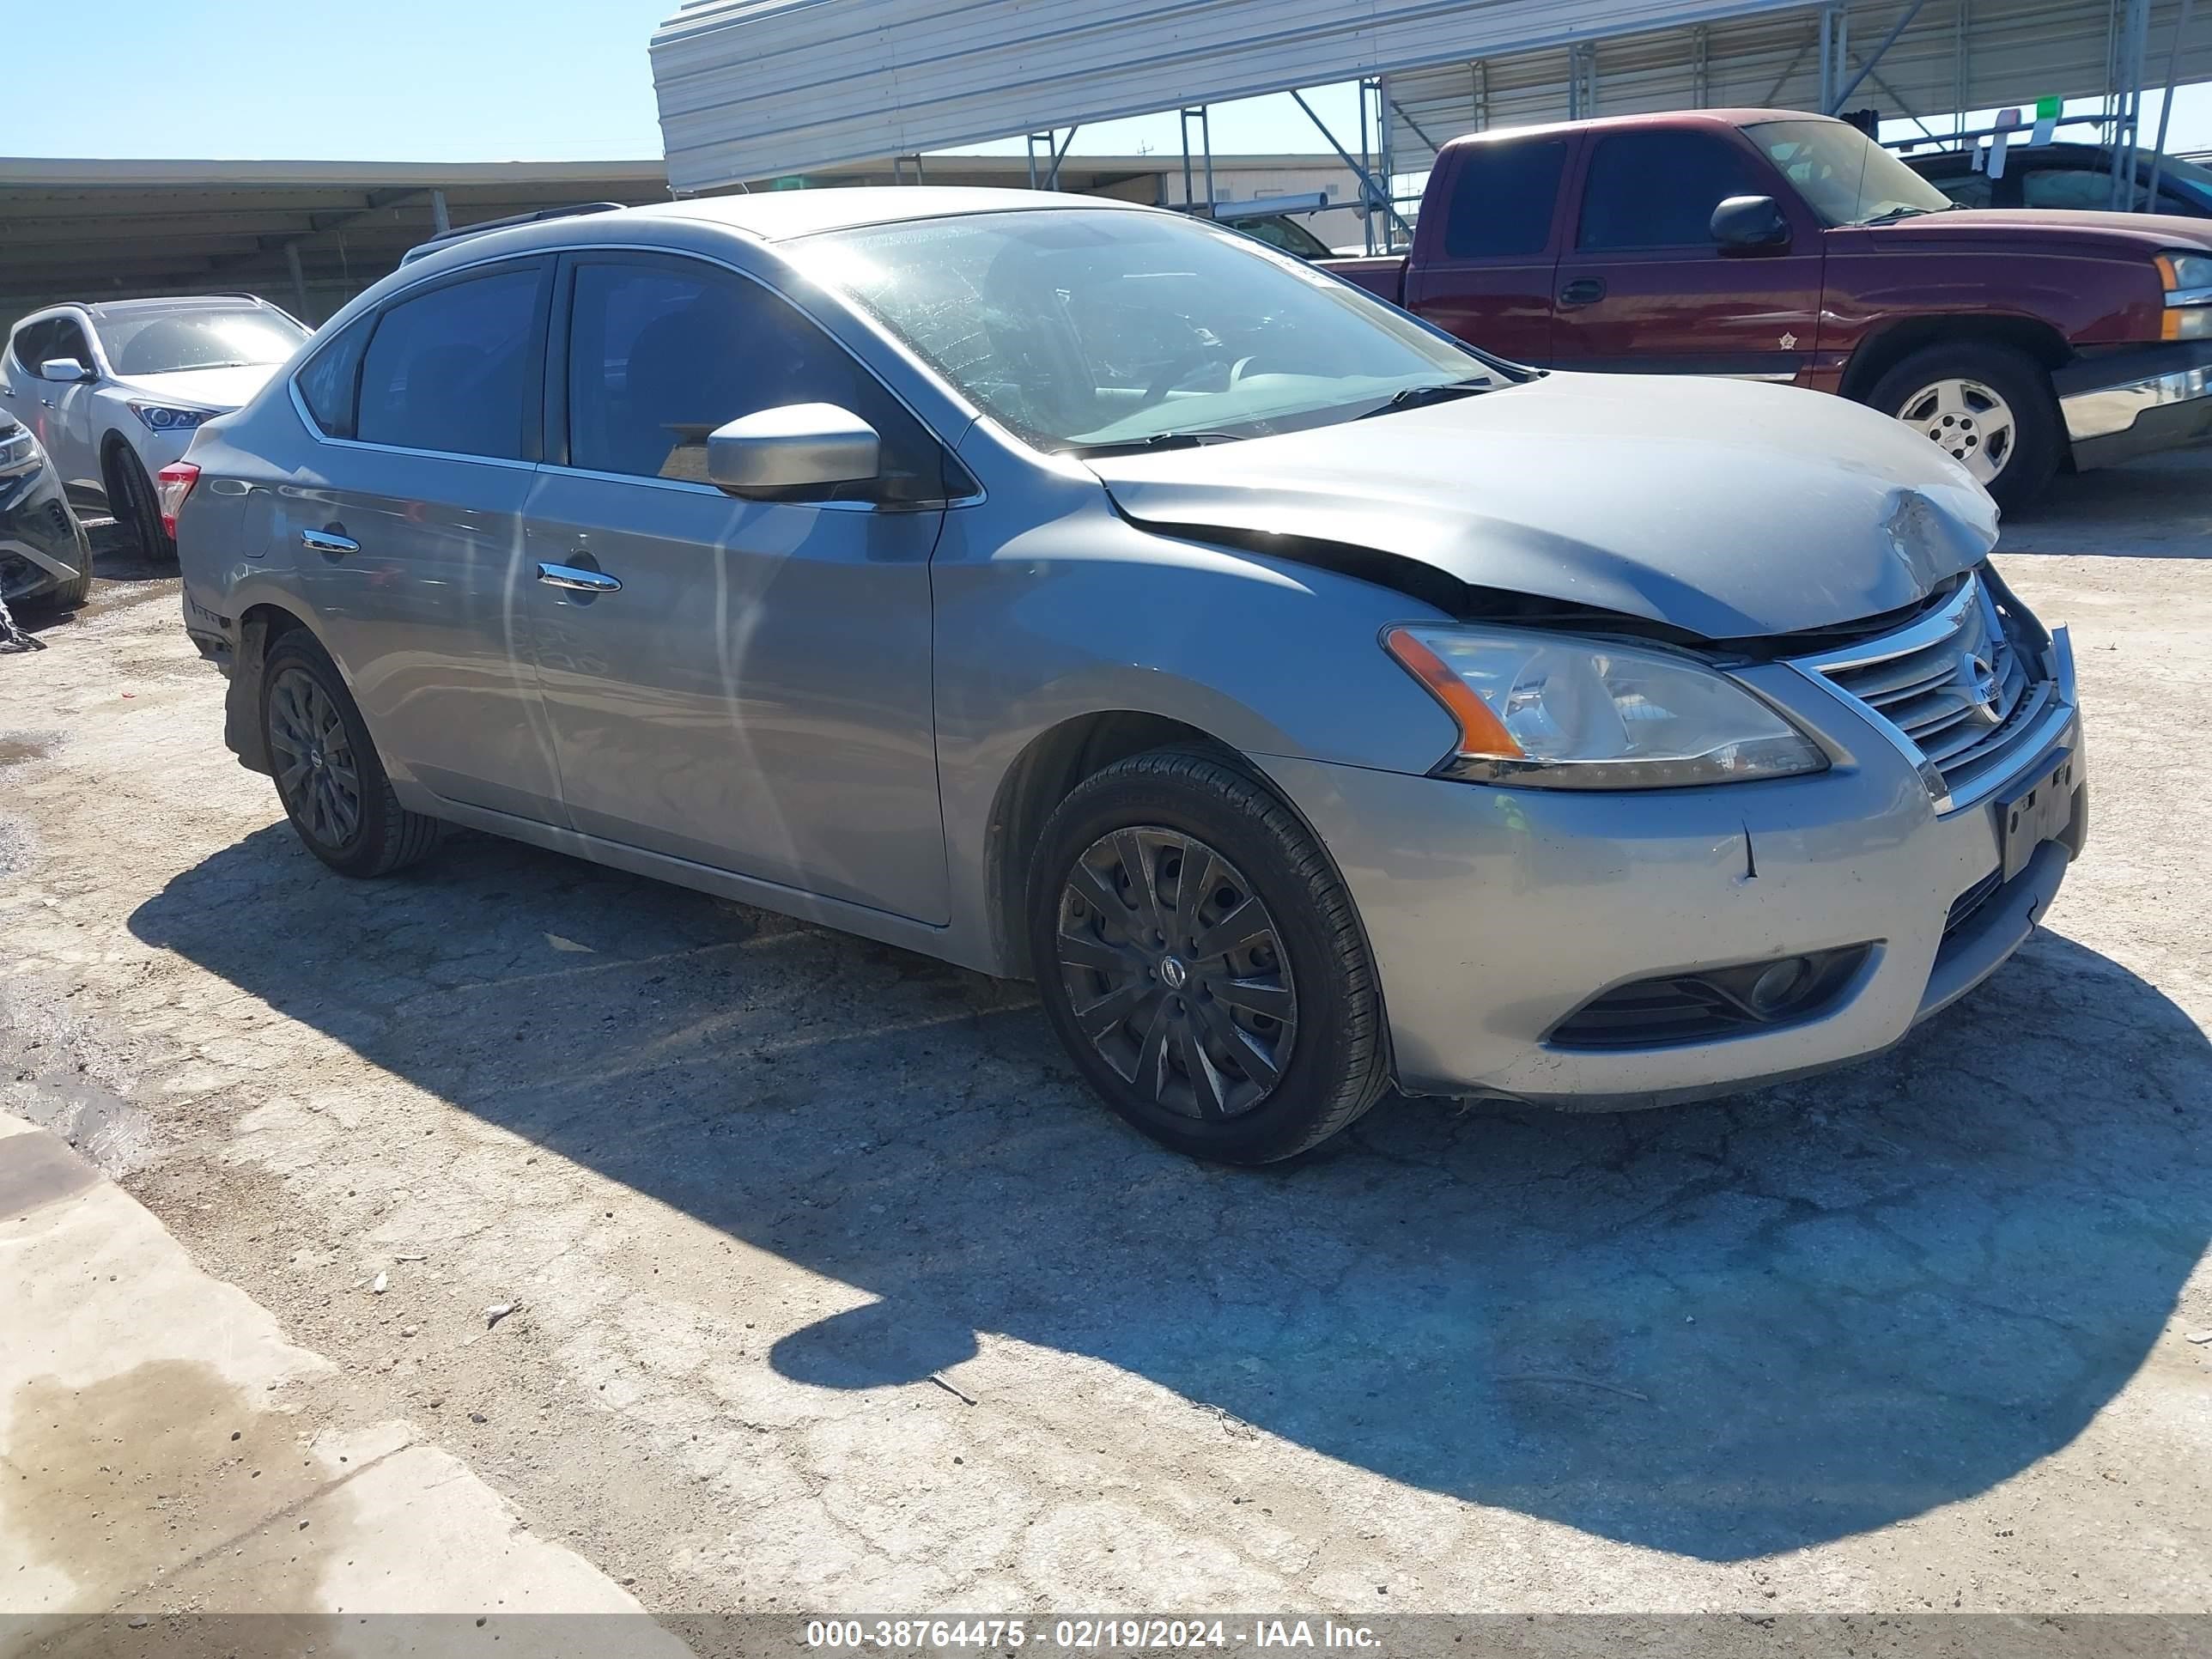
(328, 541)
(578, 580)
(1583, 291)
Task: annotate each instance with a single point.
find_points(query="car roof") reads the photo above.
(103, 309)
(1672, 118)
(779, 215)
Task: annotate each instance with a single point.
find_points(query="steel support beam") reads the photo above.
(1374, 192)
(299, 279)
(1835, 106)
(2165, 103)
(439, 218)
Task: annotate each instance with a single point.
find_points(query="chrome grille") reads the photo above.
(1963, 696)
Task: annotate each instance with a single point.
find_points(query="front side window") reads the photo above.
(1659, 189)
(1077, 328)
(1503, 198)
(660, 353)
(68, 341)
(1847, 178)
(30, 342)
(138, 342)
(451, 370)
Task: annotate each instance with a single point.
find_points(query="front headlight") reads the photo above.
(166, 417)
(2188, 281)
(1557, 713)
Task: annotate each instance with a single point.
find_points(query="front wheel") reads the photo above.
(1198, 956)
(1990, 408)
(137, 510)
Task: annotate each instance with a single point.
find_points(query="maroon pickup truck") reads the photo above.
(1782, 247)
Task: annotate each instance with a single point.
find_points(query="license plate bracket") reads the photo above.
(2031, 813)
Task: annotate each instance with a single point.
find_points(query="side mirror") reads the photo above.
(66, 370)
(799, 446)
(1744, 224)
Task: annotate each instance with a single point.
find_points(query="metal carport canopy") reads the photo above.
(750, 89)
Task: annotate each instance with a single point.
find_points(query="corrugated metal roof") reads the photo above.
(2017, 51)
(751, 89)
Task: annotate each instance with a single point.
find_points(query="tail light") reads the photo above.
(175, 483)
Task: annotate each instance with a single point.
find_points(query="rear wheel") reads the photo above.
(1988, 407)
(137, 511)
(328, 776)
(1201, 960)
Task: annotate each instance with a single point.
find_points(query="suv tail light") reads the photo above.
(175, 483)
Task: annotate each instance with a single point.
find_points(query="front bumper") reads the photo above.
(42, 546)
(2136, 401)
(1495, 913)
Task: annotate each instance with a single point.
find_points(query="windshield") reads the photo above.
(1847, 177)
(1078, 327)
(161, 342)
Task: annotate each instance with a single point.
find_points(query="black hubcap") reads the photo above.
(315, 771)
(1175, 972)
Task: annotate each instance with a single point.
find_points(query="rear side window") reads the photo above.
(662, 353)
(330, 381)
(1659, 189)
(1503, 200)
(450, 370)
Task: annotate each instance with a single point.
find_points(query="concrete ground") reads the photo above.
(836, 1291)
(145, 1404)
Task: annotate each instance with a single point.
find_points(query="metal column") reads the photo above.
(1206, 145)
(299, 281)
(2165, 105)
(1698, 52)
(439, 216)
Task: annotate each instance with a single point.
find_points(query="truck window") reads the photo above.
(1501, 203)
(1659, 189)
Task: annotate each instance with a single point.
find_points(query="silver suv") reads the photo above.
(1080, 592)
(115, 390)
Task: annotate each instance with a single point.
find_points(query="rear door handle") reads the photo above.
(578, 580)
(328, 541)
(1583, 291)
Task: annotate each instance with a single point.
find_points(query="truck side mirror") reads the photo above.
(1746, 224)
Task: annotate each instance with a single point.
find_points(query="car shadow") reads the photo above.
(1721, 1330)
(2157, 507)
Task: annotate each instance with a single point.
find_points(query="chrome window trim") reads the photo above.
(300, 406)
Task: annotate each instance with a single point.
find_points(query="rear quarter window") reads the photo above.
(329, 380)
(1503, 198)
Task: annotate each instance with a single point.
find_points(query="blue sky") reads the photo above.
(460, 80)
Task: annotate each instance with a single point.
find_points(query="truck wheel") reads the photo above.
(1990, 407)
(328, 776)
(1201, 961)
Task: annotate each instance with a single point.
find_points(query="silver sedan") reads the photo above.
(1072, 591)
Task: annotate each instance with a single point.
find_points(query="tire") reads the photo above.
(308, 713)
(1956, 393)
(1292, 1050)
(131, 497)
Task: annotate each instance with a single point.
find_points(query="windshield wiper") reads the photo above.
(1416, 397)
(1891, 215)
(1157, 440)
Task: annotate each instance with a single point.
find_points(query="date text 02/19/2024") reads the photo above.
(1118, 1633)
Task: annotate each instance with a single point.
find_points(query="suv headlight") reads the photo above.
(167, 417)
(1557, 713)
(2188, 279)
(18, 450)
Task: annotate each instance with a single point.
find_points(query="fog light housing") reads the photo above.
(1714, 1003)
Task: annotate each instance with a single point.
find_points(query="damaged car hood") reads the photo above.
(1724, 510)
